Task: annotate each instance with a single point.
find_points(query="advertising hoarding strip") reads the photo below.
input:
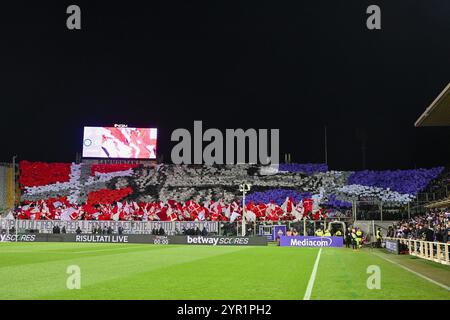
(137, 238)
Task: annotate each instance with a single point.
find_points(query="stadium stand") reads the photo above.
(433, 226)
(6, 186)
(438, 189)
(174, 192)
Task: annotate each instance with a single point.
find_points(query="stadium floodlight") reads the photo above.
(244, 188)
(14, 191)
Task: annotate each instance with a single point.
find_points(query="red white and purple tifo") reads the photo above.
(61, 209)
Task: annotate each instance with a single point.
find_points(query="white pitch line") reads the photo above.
(416, 273)
(99, 250)
(313, 277)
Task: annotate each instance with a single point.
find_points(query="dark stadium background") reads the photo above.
(296, 66)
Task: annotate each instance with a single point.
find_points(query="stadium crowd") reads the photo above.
(108, 183)
(433, 226)
(61, 209)
(439, 186)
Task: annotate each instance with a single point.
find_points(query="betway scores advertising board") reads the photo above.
(311, 241)
(18, 238)
(194, 240)
(138, 238)
(227, 241)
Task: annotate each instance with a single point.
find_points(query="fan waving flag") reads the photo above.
(287, 205)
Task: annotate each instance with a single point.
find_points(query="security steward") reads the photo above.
(359, 235)
(319, 232)
(354, 241)
(338, 233)
(348, 238)
(327, 233)
(379, 237)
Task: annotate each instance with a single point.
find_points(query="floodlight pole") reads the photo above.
(14, 192)
(381, 210)
(326, 145)
(244, 188)
(409, 211)
(14, 180)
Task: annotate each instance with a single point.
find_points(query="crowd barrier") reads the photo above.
(433, 251)
(170, 227)
(136, 238)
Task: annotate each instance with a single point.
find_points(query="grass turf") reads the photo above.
(142, 271)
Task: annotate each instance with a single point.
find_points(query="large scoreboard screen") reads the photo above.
(119, 143)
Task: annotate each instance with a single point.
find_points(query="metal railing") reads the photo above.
(429, 250)
(87, 226)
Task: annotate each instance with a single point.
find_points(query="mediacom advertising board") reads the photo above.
(311, 241)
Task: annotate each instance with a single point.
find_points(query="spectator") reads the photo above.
(390, 232)
(447, 233)
(433, 226)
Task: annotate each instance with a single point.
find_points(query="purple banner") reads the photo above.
(311, 241)
(278, 231)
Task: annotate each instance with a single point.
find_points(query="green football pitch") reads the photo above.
(142, 271)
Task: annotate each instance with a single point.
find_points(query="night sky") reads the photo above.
(294, 65)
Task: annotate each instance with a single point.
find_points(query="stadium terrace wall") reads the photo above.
(86, 226)
(137, 238)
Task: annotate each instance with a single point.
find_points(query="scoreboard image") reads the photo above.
(119, 143)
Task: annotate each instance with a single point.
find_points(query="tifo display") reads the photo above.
(68, 191)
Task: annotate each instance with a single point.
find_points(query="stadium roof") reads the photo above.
(438, 113)
(439, 204)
